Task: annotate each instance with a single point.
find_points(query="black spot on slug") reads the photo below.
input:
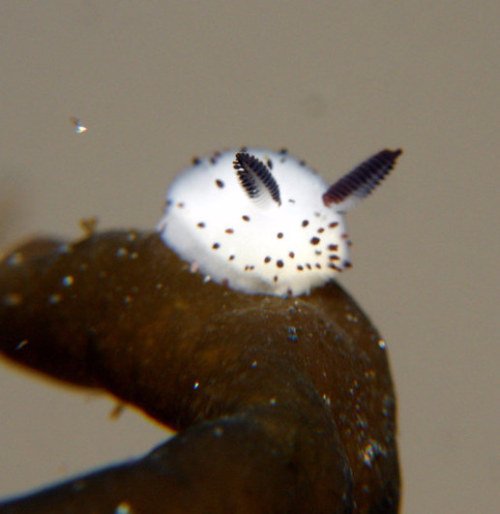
(315, 240)
(219, 183)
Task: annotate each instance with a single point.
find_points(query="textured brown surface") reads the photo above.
(283, 405)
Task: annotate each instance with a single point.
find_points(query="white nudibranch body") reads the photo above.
(263, 222)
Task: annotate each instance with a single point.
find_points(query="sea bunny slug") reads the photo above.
(261, 221)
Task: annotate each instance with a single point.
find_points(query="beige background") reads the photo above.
(158, 82)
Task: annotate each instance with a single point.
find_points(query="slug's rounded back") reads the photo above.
(263, 222)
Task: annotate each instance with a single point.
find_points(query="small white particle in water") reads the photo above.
(79, 128)
(131, 236)
(127, 299)
(68, 280)
(12, 299)
(54, 298)
(134, 255)
(22, 344)
(121, 252)
(327, 400)
(159, 286)
(123, 508)
(272, 401)
(254, 364)
(381, 344)
(196, 385)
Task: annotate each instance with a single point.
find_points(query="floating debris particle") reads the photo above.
(79, 128)
(88, 225)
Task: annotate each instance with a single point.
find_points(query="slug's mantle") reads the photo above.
(260, 221)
